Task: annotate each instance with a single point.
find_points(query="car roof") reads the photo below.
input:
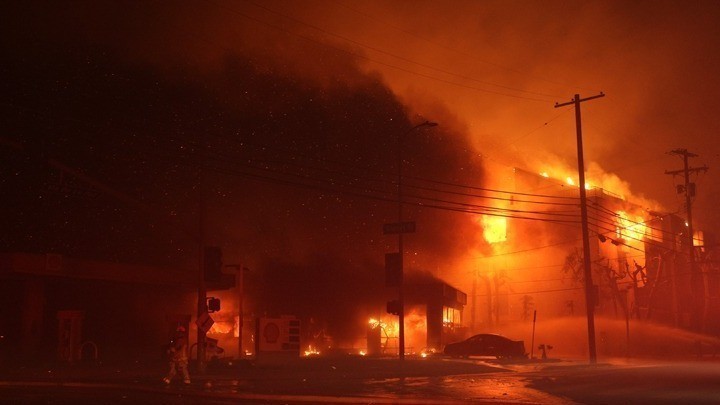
(479, 335)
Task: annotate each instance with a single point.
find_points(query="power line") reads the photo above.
(364, 57)
(464, 54)
(352, 41)
(421, 200)
(531, 292)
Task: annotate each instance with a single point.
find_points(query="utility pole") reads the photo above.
(589, 288)
(401, 288)
(202, 309)
(202, 290)
(240, 286)
(698, 284)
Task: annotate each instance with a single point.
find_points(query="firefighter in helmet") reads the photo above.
(178, 356)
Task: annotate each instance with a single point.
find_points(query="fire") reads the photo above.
(494, 228)
(415, 332)
(390, 329)
(311, 351)
(596, 178)
(221, 327)
(570, 181)
(630, 229)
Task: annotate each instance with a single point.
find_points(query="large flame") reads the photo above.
(630, 228)
(494, 228)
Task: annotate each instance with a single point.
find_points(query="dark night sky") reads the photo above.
(293, 109)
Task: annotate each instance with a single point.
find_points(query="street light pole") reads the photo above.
(401, 293)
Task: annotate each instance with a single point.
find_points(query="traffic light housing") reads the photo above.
(213, 304)
(212, 263)
(393, 307)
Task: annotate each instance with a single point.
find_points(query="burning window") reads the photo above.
(630, 229)
(494, 228)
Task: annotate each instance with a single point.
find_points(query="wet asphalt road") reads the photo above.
(364, 381)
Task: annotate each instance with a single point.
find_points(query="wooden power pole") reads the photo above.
(698, 283)
(589, 288)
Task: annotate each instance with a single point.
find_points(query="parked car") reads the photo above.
(487, 344)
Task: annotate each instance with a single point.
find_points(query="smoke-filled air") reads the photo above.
(280, 131)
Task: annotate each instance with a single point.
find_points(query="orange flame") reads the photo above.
(311, 351)
(632, 229)
(494, 228)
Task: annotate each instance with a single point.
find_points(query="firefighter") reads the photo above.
(178, 356)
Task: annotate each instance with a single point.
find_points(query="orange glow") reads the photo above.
(427, 352)
(415, 332)
(311, 351)
(389, 329)
(570, 181)
(633, 229)
(595, 178)
(494, 228)
(698, 238)
(221, 327)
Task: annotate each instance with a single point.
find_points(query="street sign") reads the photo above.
(399, 227)
(204, 322)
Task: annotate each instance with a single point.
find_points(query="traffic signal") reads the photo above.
(393, 307)
(213, 304)
(213, 263)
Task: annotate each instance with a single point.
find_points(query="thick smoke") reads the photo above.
(293, 111)
(297, 148)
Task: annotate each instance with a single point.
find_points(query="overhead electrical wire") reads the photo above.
(465, 207)
(422, 201)
(444, 183)
(645, 224)
(365, 57)
(531, 292)
(490, 208)
(369, 47)
(461, 53)
(425, 180)
(404, 59)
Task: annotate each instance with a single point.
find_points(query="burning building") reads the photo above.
(433, 318)
(641, 261)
